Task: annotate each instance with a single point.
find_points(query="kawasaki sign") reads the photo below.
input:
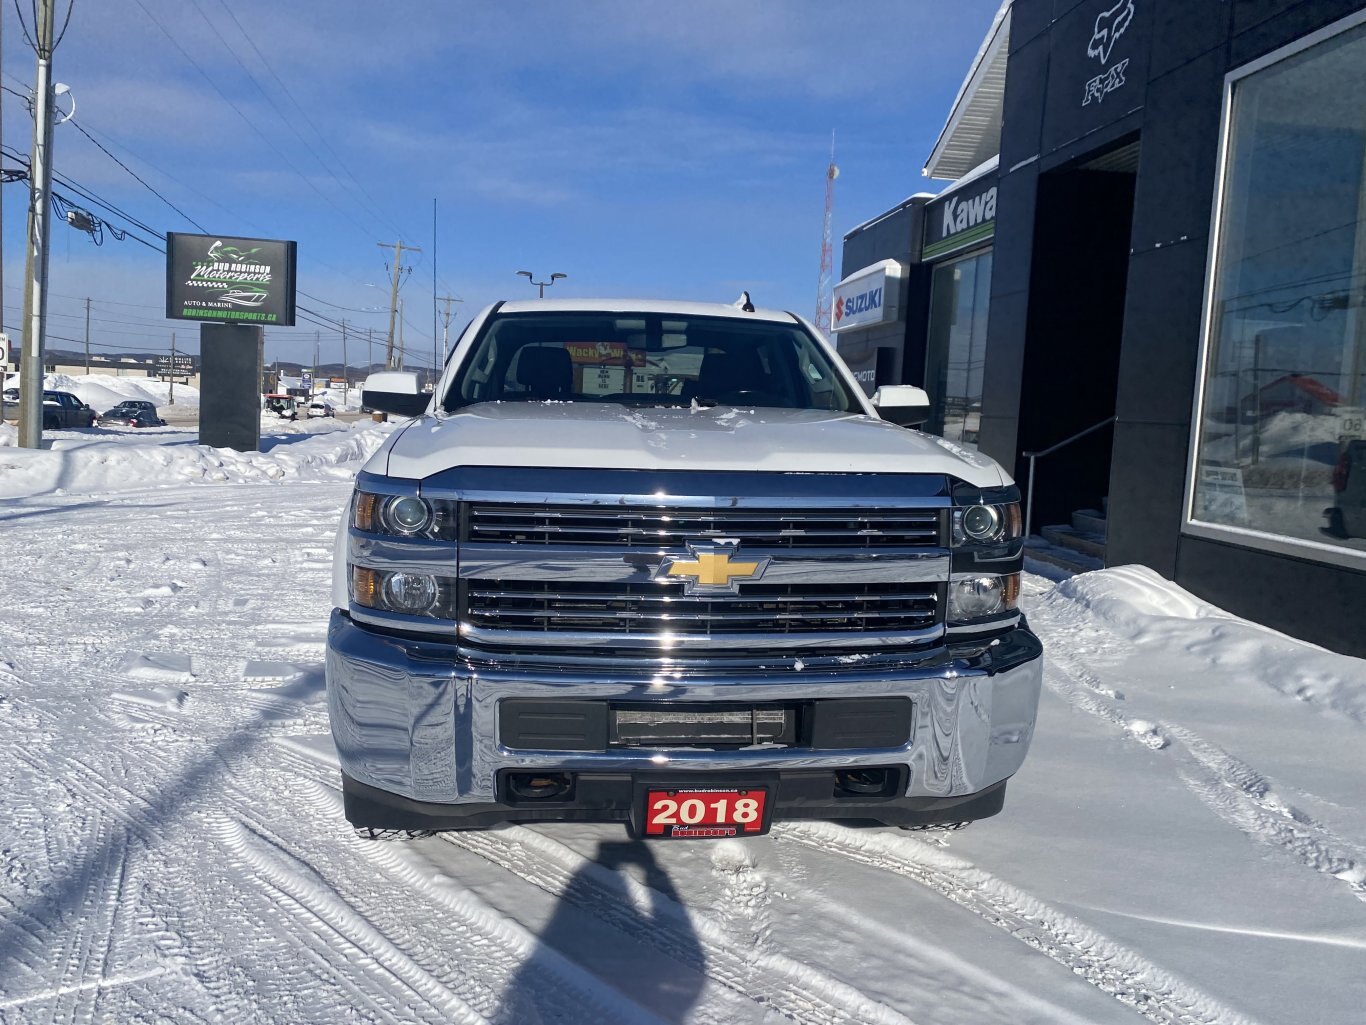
(230, 280)
(965, 217)
(868, 297)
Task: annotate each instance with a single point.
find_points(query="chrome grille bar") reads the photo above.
(636, 608)
(785, 528)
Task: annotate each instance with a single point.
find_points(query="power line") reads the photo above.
(248, 121)
(141, 181)
(373, 206)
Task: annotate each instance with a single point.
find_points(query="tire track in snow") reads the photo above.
(321, 790)
(78, 938)
(1131, 979)
(1229, 787)
(1245, 799)
(326, 913)
(798, 992)
(492, 947)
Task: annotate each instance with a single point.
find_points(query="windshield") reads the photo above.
(648, 360)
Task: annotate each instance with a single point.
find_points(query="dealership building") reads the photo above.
(1153, 249)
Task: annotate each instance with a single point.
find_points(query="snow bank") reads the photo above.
(1143, 606)
(126, 462)
(104, 391)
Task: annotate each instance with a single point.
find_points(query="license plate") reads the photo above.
(706, 812)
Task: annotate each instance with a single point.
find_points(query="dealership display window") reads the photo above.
(958, 346)
(1279, 454)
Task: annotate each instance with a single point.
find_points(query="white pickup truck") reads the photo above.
(662, 563)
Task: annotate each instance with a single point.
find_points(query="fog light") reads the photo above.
(407, 515)
(409, 593)
(978, 597)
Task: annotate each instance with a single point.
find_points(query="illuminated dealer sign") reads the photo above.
(868, 297)
(232, 280)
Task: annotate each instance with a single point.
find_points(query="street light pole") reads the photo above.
(542, 285)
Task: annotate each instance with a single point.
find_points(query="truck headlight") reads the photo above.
(986, 524)
(404, 516)
(980, 597)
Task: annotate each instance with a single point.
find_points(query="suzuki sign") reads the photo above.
(868, 297)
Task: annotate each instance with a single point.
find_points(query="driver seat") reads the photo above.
(545, 372)
(734, 370)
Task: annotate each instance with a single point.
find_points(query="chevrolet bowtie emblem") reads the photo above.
(713, 569)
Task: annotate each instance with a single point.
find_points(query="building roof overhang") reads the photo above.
(973, 132)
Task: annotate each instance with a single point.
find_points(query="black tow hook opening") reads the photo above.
(864, 782)
(538, 786)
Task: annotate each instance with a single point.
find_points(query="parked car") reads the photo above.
(765, 598)
(320, 409)
(132, 416)
(130, 404)
(61, 409)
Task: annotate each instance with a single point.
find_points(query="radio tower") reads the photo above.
(827, 248)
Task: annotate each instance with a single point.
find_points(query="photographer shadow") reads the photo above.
(645, 950)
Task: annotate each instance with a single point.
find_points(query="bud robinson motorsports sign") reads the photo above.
(232, 280)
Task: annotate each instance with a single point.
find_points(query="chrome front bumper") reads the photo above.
(412, 718)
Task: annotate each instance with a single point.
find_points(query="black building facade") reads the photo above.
(1177, 241)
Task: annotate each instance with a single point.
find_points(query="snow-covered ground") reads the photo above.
(1186, 843)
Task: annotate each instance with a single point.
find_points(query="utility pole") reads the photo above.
(398, 248)
(172, 402)
(401, 349)
(369, 351)
(87, 336)
(3, 368)
(35, 284)
(446, 324)
(346, 369)
(313, 371)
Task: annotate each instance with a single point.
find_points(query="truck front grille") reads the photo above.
(636, 527)
(656, 608)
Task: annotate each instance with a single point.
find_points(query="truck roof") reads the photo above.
(666, 306)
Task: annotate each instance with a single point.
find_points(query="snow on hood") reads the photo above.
(1142, 605)
(610, 436)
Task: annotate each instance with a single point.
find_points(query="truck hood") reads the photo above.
(607, 436)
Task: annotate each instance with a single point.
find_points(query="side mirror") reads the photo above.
(394, 391)
(902, 404)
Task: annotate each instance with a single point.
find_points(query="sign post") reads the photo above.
(233, 287)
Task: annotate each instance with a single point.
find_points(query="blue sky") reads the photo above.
(643, 149)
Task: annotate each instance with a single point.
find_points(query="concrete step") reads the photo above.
(1063, 536)
(1089, 521)
(1051, 561)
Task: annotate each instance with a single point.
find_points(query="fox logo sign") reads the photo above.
(1110, 25)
